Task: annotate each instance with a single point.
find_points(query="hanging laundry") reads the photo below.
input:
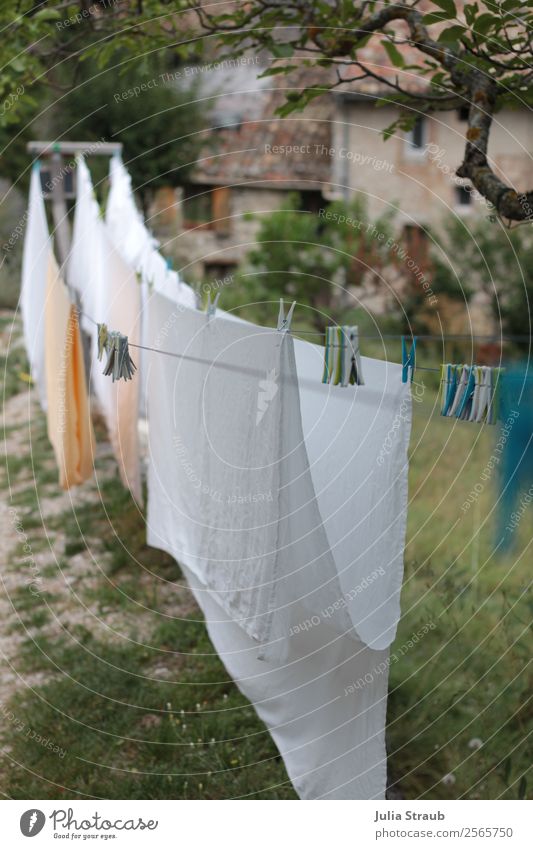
(290, 529)
(470, 393)
(342, 361)
(37, 247)
(516, 446)
(139, 249)
(135, 242)
(110, 295)
(69, 420)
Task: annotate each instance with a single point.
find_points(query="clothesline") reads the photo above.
(251, 371)
(505, 337)
(432, 336)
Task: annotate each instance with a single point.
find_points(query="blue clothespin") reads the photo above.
(169, 263)
(211, 307)
(466, 400)
(284, 323)
(408, 360)
(449, 386)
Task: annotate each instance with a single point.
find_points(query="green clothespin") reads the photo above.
(119, 363)
(102, 339)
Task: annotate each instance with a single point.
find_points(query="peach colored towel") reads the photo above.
(69, 425)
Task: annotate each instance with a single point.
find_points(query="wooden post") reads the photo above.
(55, 151)
(59, 209)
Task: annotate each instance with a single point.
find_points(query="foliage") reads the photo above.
(12, 226)
(493, 38)
(478, 56)
(498, 261)
(313, 256)
(480, 59)
(159, 123)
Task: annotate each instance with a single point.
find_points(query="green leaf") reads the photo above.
(484, 23)
(470, 10)
(394, 54)
(18, 64)
(282, 50)
(433, 18)
(278, 69)
(438, 79)
(447, 6)
(362, 42)
(451, 34)
(47, 15)
(392, 129)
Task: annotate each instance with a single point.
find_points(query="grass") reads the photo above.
(153, 715)
(468, 679)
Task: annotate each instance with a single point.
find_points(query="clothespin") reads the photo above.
(284, 323)
(444, 387)
(494, 378)
(352, 371)
(342, 362)
(476, 408)
(329, 355)
(119, 363)
(102, 339)
(449, 387)
(211, 307)
(460, 388)
(463, 410)
(170, 264)
(408, 360)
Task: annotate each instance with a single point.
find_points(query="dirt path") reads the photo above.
(36, 569)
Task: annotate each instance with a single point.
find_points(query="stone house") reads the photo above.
(332, 150)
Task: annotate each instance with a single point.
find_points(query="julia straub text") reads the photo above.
(407, 815)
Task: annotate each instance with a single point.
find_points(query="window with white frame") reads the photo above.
(416, 137)
(463, 196)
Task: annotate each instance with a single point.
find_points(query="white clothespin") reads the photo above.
(484, 395)
(211, 307)
(352, 371)
(284, 323)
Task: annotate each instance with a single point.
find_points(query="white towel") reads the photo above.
(36, 252)
(285, 501)
(133, 239)
(110, 294)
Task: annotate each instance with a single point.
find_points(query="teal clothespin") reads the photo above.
(170, 264)
(408, 360)
(450, 378)
(464, 407)
(284, 322)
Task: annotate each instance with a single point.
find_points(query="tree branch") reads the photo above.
(475, 167)
(470, 83)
